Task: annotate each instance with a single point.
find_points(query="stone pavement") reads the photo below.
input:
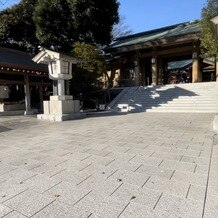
(136, 165)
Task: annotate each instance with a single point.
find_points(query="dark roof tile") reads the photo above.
(18, 59)
(157, 34)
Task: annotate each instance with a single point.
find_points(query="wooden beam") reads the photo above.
(40, 84)
(161, 42)
(186, 50)
(176, 50)
(7, 82)
(21, 73)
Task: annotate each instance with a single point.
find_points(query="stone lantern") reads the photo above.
(61, 105)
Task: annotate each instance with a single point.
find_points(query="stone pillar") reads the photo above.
(27, 95)
(55, 87)
(67, 82)
(154, 70)
(61, 87)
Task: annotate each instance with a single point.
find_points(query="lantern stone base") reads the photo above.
(61, 108)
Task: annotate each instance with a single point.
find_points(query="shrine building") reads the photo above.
(23, 84)
(161, 56)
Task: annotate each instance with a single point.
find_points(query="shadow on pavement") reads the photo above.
(4, 129)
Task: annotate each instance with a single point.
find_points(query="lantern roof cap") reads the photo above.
(45, 56)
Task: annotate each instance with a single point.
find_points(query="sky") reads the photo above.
(142, 15)
(6, 3)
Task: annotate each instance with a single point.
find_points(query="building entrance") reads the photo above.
(146, 71)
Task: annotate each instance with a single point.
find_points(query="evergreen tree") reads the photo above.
(208, 42)
(61, 23)
(17, 28)
(58, 23)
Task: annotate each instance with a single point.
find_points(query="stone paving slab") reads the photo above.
(179, 207)
(10, 188)
(4, 210)
(137, 165)
(28, 203)
(14, 214)
(139, 211)
(58, 209)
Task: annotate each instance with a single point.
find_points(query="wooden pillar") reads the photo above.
(160, 71)
(142, 69)
(195, 69)
(154, 69)
(137, 73)
(27, 95)
(122, 73)
(116, 78)
(201, 63)
(216, 70)
(196, 77)
(41, 97)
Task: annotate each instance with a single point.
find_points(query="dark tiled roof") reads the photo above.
(21, 60)
(179, 64)
(157, 34)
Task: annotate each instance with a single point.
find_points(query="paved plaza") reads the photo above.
(136, 165)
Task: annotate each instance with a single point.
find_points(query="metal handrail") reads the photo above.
(133, 97)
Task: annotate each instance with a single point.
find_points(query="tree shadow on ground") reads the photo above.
(4, 129)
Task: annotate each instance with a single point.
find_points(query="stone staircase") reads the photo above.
(183, 98)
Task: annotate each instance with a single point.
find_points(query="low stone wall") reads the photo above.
(11, 107)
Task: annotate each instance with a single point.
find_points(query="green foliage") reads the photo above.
(17, 26)
(92, 58)
(92, 66)
(53, 24)
(208, 42)
(58, 23)
(61, 23)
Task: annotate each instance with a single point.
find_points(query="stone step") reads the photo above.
(170, 102)
(185, 108)
(189, 104)
(174, 106)
(180, 111)
(176, 111)
(200, 97)
(172, 96)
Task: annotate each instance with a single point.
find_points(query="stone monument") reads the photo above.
(61, 106)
